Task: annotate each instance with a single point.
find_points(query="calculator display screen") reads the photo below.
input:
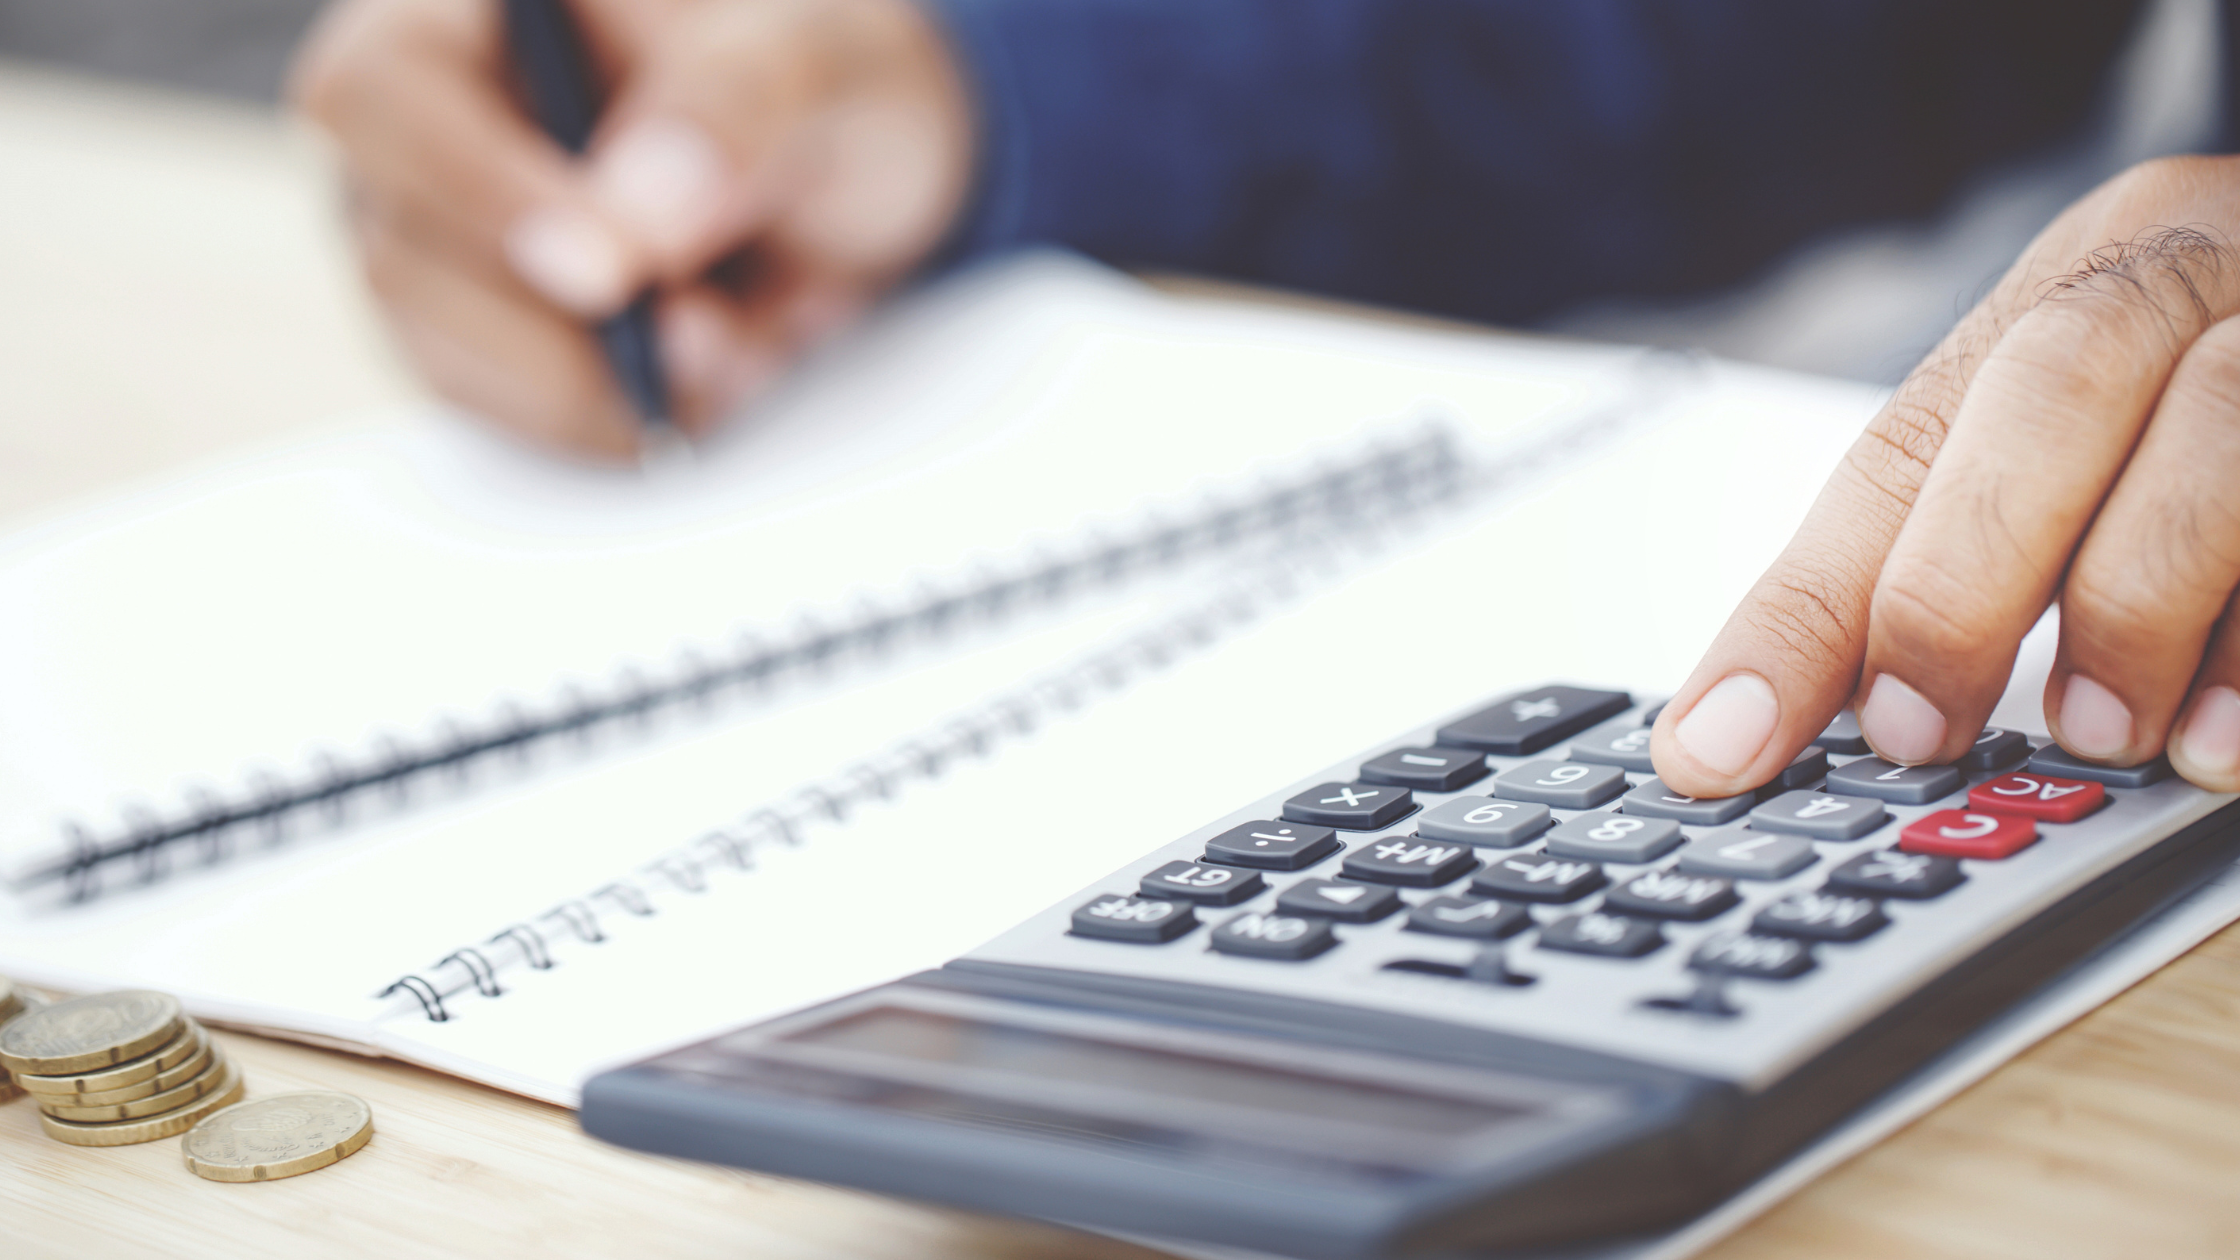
(1393, 1121)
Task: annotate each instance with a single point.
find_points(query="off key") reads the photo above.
(2039, 796)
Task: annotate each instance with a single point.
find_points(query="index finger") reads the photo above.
(1789, 657)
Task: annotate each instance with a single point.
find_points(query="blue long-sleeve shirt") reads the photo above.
(1499, 158)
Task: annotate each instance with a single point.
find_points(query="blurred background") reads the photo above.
(98, 96)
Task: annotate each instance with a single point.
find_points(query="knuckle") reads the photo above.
(1930, 613)
(1808, 616)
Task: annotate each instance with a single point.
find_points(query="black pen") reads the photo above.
(548, 52)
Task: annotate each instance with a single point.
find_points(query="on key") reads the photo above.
(1962, 833)
(2039, 796)
(1353, 806)
(1530, 722)
(1272, 846)
(1284, 937)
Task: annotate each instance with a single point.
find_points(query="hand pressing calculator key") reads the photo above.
(1486, 988)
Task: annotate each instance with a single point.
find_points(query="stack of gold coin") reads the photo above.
(117, 1068)
(11, 1005)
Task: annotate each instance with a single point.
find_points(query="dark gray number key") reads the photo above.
(1286, 937)
(1203, 882)
(1538, 877)
(1272, 846)
(1142, 920)
(1353, 806)
(1351, 903)
(1609, 935)
(1484, 821)
(1752, 956)
(1672, 895)
(1626, 747)
(1822, 916)
(1477, 917)
(1408, 860)
(1889, 873)
(1427, 769)
(1654, 800)
(1901, 785)
(1563, 784)
(1530, 722)
(1820, 815)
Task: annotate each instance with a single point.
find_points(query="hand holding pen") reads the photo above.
(761, 170)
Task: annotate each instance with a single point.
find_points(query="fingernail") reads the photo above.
(1729, 727)
(570, 257)
(2094, 723)
(2211, 740)
(663, 177)
(1900, 722)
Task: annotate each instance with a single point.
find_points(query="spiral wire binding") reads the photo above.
(1422, 462)
(1244, 595)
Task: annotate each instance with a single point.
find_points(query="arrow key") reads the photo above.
(1330, 899)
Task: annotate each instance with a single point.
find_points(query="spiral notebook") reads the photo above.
(277, 649)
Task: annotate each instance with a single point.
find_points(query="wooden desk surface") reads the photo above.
(138, 333)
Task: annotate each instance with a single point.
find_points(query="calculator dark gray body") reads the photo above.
(1391, 1094)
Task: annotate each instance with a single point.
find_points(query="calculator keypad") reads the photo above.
(1788, 917)
(1532, 721)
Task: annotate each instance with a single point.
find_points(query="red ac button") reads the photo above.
(2039, 796)
(1967, 834)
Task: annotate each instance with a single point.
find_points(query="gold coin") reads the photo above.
(280, 1136)
(89, 1032)
(190, 1042)
(127, 1132)
(179, 1074)
(156, 1104)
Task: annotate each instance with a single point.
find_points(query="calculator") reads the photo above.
(1487, 988)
